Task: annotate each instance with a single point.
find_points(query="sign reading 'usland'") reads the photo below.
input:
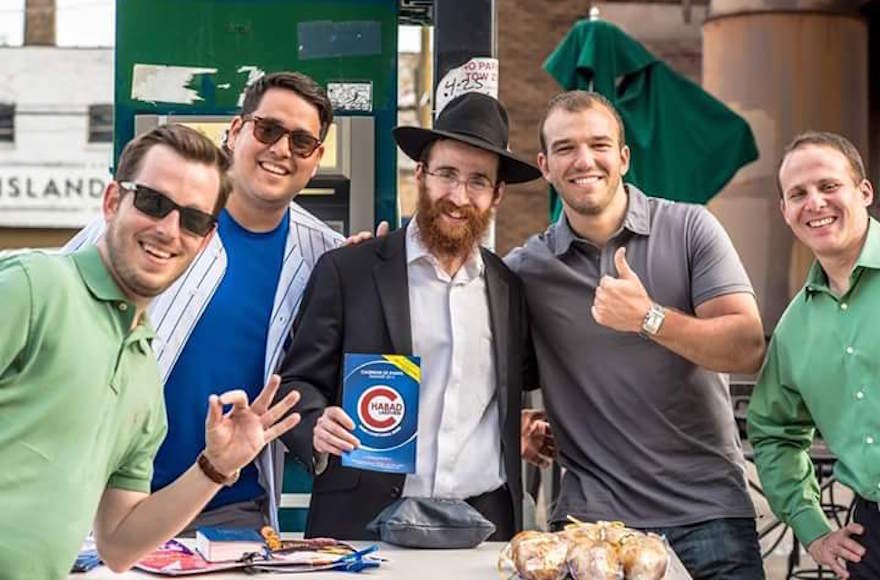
(50, 197)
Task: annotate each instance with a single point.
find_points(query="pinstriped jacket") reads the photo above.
(175, 312)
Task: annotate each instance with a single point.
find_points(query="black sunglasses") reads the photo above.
(268, 132)
(157, 205)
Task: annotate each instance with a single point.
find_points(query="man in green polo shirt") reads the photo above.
(81, 403)
(822, 368)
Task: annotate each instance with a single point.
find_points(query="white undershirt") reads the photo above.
(459, 440)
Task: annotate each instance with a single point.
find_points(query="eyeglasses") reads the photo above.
(157, 205)
(302, 143)
(448, 179)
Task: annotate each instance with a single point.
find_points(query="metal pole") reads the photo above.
(463, 29)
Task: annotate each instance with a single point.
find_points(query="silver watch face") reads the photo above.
(653, 319)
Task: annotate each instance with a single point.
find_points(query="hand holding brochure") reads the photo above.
(381, 395)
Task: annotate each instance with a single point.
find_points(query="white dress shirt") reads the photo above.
(459, 438)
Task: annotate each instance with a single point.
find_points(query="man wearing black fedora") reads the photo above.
(428, 290)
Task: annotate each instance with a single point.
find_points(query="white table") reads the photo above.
(402, 564)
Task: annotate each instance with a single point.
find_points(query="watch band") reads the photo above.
(211, 472)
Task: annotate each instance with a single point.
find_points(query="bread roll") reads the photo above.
(594, 560)
(644, 557)
(539, 556)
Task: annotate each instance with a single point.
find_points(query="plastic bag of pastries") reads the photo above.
(587, 551)
(641, 556)
(536, 556)
(644, 556)
(594, 560)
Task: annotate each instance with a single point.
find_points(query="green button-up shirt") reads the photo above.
(822, 371)
(81, 406)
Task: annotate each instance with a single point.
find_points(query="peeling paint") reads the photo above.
(254, 73)
(166, 84)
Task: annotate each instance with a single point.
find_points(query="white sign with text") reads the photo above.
(478, 75)
(35, 196)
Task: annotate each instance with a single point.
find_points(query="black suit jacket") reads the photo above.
(357, 301)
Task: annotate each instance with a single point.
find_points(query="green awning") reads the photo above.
(685, 144)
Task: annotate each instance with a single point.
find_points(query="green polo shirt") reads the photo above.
(81, 406)
(822, 371)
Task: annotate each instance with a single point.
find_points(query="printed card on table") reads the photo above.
(380, 392)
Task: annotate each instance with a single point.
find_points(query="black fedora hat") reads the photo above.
(474, 119)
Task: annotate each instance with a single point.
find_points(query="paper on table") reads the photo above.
(175, 559)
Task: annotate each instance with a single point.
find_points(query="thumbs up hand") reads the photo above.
(621, 303)
(624, 272)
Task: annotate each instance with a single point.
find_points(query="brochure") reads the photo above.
(380, 392)
(173, 558)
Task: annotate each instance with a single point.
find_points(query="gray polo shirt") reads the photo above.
(644, 435)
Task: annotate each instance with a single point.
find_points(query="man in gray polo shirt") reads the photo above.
(637, 305)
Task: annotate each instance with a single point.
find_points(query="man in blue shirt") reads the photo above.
(223, 324)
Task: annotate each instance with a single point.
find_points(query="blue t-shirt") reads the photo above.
(226, 350)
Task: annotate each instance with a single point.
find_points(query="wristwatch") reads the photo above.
(211, 472)
(653, 320)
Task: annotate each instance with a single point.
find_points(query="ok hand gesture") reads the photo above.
(234, 439)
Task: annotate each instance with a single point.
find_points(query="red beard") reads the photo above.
(443, 239)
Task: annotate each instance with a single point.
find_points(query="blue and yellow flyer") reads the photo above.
(380, 392)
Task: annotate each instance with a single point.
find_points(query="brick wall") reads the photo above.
(527, 32)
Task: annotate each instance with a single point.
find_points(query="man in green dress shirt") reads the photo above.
(822, 369)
